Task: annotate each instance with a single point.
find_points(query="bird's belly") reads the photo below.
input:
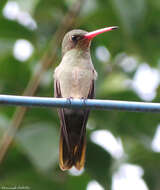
(76, 83)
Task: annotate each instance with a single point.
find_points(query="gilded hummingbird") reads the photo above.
(74, 78)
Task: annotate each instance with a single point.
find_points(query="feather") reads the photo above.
(72, 146)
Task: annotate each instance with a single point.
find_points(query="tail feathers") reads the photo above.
(73, 157)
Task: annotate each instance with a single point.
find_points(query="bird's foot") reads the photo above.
(69, 99)
(84, 100)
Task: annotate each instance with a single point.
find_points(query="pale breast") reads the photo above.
(76, 82)
(75, 75)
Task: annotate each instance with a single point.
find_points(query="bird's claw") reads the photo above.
(69, 99)
(84, 100)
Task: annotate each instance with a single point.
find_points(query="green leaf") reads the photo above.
(131, 13)
(13, 30)
(16, 170)
(14, 75)
(40, 143)
(2, 4)
(82, 181)
(98, 164)
(150, 162)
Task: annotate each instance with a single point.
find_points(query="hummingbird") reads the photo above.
(74, 77)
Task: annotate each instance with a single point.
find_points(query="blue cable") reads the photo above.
(79, 103)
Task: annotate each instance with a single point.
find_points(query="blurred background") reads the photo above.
(123, 149)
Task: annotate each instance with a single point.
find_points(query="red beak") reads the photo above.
(91, 35)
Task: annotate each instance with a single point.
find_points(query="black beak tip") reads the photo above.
(115, 27)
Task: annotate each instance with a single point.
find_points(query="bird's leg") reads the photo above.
(84, 100)
(69, 99)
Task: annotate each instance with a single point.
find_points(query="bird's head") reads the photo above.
(81, 39)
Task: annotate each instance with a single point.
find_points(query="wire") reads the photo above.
(79, 103)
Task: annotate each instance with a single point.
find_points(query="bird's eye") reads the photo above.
(74, 38)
